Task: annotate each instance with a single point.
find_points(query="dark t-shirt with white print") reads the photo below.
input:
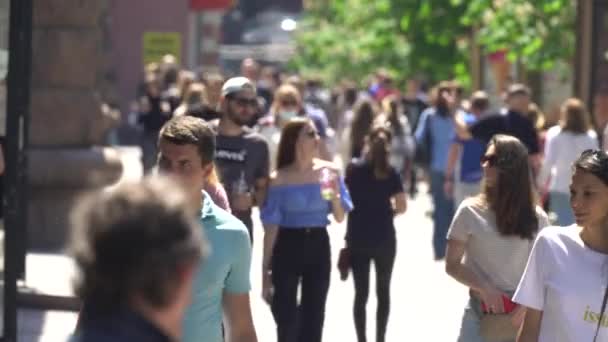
(245, 154)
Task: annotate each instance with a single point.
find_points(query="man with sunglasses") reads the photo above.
(242, 155)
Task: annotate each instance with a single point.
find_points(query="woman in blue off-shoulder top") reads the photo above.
(296, 243)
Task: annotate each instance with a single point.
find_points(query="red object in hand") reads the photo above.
(508, 304)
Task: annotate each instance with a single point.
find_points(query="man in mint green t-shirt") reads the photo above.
(221, 289)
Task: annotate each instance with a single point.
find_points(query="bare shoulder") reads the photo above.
(278, 177)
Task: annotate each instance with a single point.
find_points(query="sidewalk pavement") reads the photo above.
(426, 304)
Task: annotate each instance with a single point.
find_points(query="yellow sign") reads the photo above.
(158, 44)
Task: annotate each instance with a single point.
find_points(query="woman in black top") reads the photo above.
(377, 193)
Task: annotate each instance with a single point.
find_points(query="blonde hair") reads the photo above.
(285, 92)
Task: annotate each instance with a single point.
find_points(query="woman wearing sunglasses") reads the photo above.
(495, 231)
(564, 287)
(296, 243)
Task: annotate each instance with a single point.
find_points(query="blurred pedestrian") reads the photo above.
(563, 146)
(364, 115)
(296, 244)
(514, 122)
(137, 249)
(564, 286)
(434, 135)
(221, 290)
(286, 106)
(490, 239)
(376, 188)
(464, 172)
(154, 111)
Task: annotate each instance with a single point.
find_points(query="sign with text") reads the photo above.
(158, 44)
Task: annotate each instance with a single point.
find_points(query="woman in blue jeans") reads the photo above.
(296, 244)
(377, 192)
(491, 236)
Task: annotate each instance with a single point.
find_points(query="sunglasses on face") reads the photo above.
(490, 159)
(243, 102)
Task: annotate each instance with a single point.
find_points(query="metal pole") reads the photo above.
(17, 125)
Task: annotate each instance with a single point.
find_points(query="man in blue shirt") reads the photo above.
(466, 155)
(186, 150)
(434, 134)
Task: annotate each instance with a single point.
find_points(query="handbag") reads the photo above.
(344, 263)
(497, 327)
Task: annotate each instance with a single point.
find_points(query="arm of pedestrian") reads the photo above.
(399, 203)
(462, 129)
(453, 154)
(530, 330)
(238, 320)
(455, 267)
(270, 235)
(261, 187)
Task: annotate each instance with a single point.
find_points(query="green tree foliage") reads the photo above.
(352, 38)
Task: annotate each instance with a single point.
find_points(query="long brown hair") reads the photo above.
(378, 150)
(362, 122)
(286, 154)
(512, 197)
(574, 116)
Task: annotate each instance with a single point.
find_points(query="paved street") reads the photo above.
(426, 304)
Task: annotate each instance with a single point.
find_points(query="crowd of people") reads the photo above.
(307, 157)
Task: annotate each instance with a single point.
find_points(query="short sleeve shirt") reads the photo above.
(566, 280)
(492, 256)
(225, 271)
(244, 154)
(370, 224)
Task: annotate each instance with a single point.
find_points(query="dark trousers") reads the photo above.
(245, 217)
(361, 259)
(300, 257)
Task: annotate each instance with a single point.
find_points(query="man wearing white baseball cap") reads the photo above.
(242, 154)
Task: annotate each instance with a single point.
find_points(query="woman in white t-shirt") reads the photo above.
(564, 285)
(564, 144)
(495, 230)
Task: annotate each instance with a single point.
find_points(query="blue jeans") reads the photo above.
(559, 203)
(442, 214)
(469, 329)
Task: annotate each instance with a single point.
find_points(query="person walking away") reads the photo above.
(303, 191)
(564, 144)
(376, 188)
(490, 239)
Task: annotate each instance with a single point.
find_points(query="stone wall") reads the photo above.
(67, 123)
